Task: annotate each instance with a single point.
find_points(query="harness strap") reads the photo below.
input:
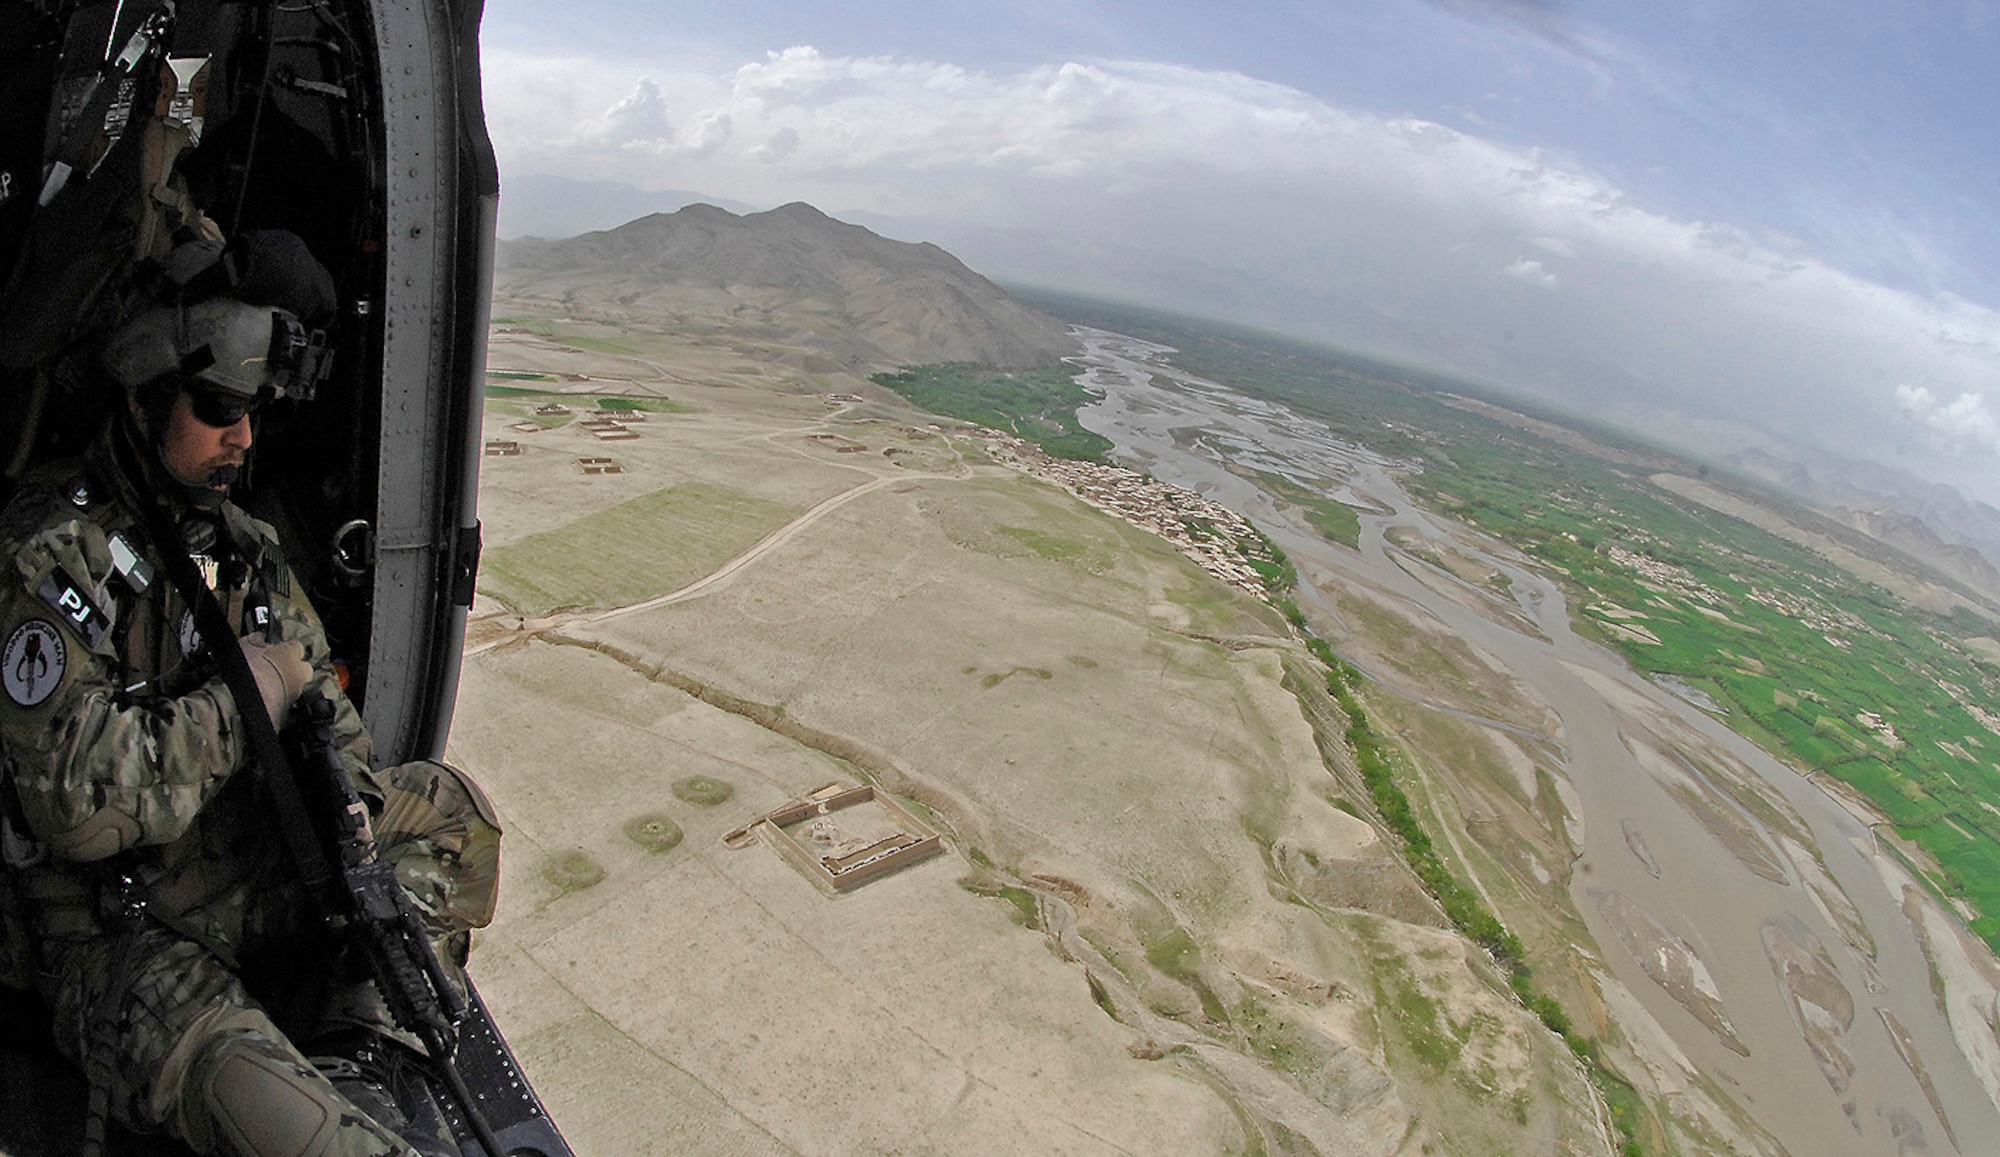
(126, 910)
(268, 760)
(10, 799)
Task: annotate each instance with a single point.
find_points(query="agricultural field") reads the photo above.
(674, 536)
(1834, 674)
(1224, 889)
(1039, 405)
(1153, 923)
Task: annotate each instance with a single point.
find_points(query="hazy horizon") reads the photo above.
(1731, 215)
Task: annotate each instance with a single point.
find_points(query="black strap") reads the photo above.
(268, 760)
(11, 810)
(274, 774)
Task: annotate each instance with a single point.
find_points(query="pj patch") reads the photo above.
(66, 597)
(32, 665)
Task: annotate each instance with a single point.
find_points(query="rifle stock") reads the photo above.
(369, 908)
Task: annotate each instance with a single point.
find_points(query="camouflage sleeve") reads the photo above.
(293, 617)
(97, 772)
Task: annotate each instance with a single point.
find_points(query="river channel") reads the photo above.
(1645, 860)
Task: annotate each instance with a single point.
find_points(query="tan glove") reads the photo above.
(281, 672)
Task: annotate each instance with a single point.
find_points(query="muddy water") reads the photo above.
(1652, 881)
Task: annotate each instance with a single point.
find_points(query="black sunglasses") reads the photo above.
(221, 408)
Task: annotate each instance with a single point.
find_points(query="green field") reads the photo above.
(1039, 405)
(638, 549)
(645, 404)
(1830, 673)
(1335, 521)
(572, 335)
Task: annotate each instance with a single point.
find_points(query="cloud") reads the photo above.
(709, 133)
(781, 144)
(1962, 423)
(1531, 272)
(848, 114)
(639, 120)
(1252, 200)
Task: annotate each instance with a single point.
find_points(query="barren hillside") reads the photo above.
(850, 299)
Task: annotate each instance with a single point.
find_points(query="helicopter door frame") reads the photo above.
(441, 195)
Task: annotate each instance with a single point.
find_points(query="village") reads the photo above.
(1216, 538)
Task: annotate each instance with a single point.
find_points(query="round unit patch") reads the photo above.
(32, 666)
(190, 639)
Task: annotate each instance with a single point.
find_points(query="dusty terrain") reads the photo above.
(1916, 590)
(1158, 926)
(1163, 922)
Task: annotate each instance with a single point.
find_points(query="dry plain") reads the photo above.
(1157, 928)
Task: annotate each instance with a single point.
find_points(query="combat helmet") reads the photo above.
(232, 319)
(227, 344)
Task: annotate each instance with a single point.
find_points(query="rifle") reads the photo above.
(373, 913)
(489, 1106)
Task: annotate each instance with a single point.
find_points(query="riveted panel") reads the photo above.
(433, 311)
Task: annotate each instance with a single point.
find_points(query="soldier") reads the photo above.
(165, 920)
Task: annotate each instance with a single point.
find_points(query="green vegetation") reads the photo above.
(572, 871)
(1271, 564)
(567, 334)
(1053, 547)
(1336, 521)
(1039, 405)
(600, 345)
(656, 833)
(641, 405)
(631, 552)
(648, 405)
(1425, 1032)
(703, 790)
(999, 677)
(1177, 955)
(1276, 1040)
(1833, 674)
(1027, 910)
(1377, 762)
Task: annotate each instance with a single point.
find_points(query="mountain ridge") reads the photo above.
(1871, 498)
(839, 291)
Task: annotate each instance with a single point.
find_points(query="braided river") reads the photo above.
(1805, 979)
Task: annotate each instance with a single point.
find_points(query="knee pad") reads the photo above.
(266, 1101)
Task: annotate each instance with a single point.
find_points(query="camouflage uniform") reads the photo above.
(126, 753)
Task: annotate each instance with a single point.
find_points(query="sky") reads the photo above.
(1708, 217)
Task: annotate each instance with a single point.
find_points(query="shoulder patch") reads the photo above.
(71, 600)
(189, 636)
(33, 662)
